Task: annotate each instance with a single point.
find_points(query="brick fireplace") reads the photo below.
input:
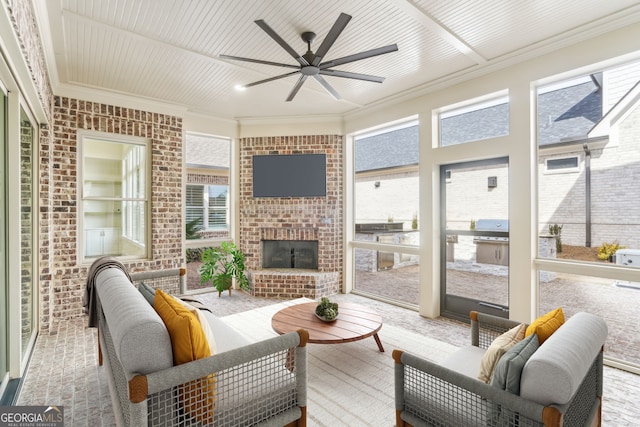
(293, 219)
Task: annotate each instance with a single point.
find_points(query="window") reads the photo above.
(207, 200)
(386, 181)
(564, 164)
(589, 220)
(115, 201)
(386, 212)
(209, 205)
(476, 121)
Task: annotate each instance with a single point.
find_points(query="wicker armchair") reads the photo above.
(428, 394)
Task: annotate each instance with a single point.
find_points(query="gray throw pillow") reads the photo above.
(509, 368)
(147, 292)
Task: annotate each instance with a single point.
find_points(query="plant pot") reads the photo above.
(224, 284)
(324, 319)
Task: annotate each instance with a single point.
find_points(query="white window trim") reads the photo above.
(575, 169)
(206, 208)
(117, 138)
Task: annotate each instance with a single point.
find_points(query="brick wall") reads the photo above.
(293, 218)
(165, 133)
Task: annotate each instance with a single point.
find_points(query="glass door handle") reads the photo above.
(495, 306)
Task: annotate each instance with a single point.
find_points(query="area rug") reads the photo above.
(349, 384)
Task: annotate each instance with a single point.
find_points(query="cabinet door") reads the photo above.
(102, 241)
(93, 242)
(111, 241)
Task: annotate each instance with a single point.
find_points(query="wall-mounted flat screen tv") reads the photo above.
(290, 175)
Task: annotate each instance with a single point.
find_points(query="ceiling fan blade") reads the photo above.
(259, 61)
(359, 56)
(331, 37)
(350, 75)
(267, 29)
(297, 87)
(327, 87)
(270, 79)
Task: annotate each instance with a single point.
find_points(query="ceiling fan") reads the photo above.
(310, 64)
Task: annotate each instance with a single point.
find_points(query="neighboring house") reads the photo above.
(387, 175)
(207, 189)
(589, 158)
(585, 177)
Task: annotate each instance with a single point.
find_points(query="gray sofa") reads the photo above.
(560, 384)
(243, 383)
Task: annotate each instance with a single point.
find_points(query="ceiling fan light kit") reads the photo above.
(310, 64)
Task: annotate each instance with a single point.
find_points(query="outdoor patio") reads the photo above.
(605, 298)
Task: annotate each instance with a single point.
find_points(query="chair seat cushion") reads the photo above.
(465, 361)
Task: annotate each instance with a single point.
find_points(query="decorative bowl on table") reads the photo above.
(326, 310)
(326, 319)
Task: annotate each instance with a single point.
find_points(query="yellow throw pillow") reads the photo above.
(189, 343)
(546, 325)
(206, 328)
(498, 347)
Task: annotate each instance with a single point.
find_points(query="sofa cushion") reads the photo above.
(147, 292)
(204, 324)
(554, 372)
(546, 325)
(498, 347)
(187, 338)
(508, 371)
(189, 343)
(225, 336)
(133, 325)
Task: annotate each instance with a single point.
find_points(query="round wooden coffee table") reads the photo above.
(354, 323)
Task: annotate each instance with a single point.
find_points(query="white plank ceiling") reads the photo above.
(169, 51)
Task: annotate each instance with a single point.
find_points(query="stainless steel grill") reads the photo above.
(492, 249)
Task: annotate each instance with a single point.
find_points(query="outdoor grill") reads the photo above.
(492, 249)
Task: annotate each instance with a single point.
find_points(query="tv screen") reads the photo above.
(290, 175)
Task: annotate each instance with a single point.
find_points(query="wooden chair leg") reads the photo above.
(99, 350)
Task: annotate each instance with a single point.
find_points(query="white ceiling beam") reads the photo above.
(428, 22)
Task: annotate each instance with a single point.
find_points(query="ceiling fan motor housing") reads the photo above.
(310, 70)
(310, 64)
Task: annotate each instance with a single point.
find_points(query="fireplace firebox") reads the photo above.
(290, 254)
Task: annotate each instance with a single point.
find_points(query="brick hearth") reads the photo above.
(293, 218)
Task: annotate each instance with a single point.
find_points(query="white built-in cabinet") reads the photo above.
(102, 185)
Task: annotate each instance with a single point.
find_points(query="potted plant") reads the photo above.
(327, 310)
(221, 265)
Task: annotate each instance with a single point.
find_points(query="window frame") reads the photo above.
(470, 106)
(571, 169)
(207, 208)
(146, 200)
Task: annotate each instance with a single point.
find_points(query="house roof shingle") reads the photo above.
(564, 114)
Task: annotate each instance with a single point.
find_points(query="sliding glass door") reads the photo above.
(4, 308)
(475, 238)
(28, 259)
